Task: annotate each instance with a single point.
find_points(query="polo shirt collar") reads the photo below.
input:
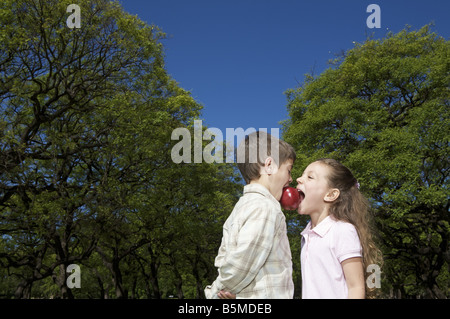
(260, 189)
(322, 228)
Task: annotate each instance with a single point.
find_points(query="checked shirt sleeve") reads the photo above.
(251, 240)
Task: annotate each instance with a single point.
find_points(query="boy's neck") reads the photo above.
(261, 181)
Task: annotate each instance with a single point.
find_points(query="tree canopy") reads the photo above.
(383, 110)
(86, 176)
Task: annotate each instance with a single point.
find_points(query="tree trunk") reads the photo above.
(23, 290)
(60, 280)
(121, 292)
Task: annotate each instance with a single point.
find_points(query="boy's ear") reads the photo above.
(332, 195)
(270, 167)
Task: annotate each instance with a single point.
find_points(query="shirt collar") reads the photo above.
(322, 228)
(260, 189)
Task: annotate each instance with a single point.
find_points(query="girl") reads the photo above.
(337, 244)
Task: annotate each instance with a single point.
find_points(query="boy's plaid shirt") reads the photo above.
(254, 259)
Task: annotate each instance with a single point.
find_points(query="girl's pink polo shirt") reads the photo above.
(323, 249)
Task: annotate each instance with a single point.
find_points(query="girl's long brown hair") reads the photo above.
(352, 206)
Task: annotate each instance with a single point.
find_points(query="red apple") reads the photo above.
(290, 199)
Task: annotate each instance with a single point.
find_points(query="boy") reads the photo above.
(254, 258)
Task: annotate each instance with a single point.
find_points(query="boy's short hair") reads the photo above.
(253, 151)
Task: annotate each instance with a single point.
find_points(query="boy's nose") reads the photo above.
(299, 180)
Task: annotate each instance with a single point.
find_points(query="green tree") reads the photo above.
(383, 110)
(86, 176)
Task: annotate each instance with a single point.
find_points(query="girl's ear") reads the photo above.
(332, 195)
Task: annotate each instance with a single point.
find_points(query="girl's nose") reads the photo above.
(299, 180)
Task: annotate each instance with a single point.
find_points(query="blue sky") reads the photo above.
(238, 57)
